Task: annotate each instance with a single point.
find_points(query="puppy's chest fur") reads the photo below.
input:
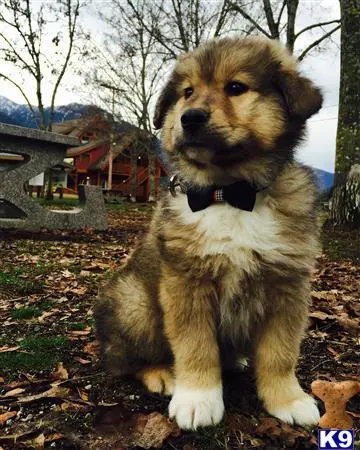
(229, 248)
(242, 237)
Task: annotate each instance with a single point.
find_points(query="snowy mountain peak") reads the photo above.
(7, 106)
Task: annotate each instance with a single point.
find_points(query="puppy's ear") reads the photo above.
(302, 97)
(165, 101)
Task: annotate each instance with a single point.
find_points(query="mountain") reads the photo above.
(325, 179)
(15, 114)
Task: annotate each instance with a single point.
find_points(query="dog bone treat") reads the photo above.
(335, 397)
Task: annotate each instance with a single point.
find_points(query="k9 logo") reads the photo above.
(336, 439)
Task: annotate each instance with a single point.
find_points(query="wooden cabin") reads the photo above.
(132, 153)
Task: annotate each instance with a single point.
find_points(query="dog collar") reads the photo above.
(241, 194)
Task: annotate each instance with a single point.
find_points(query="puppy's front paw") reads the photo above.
(193, 408)
(302, 411)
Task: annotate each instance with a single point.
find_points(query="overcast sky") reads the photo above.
(318, 150)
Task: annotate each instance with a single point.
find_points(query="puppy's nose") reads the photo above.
(193, 119)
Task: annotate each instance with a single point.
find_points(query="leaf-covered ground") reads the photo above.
(53, 392)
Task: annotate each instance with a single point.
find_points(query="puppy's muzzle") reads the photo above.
(194, 119)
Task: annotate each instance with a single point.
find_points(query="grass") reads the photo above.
(142, 207)
(36, 353)
(341, 245)
(77, 326)
(66, 203)
(70, 203)
(13, 282)
(27, 312)
(21, 280)
(44, 343)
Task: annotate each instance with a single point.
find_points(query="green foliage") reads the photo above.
(36, 353)
(20, 280)
(77, 326)
(44, 343)
(13, 361)
(28, 312)
(341, 244)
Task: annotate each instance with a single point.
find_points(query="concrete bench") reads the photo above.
(41, 150)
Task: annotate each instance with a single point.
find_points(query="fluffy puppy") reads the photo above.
(217, 280)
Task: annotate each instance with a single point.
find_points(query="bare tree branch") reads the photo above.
(274, 30)
(315, 25)
(281, 12)
(222, 17)
(317, 42)
(72, 18)
(27, 24)
(292, 6)
(246, 16)
(24, 95)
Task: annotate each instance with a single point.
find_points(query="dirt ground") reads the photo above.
(54, 393)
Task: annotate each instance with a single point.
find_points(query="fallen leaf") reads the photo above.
(152, 430)
(134, 430)
(84, 395)
(92, 348)
(274, 428)
(333, 352)
(82, 361)
(37, 443)
(74, 407)
(60, 373)
(47, 314)
(350, 325)
(321, 315)
(81, 332)
(6, 416)
(53, 437)
(54, 392)
(85, 273)
(325, 295)
(6, 349)
(14, 392)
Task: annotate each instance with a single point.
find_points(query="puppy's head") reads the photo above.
(233, 109)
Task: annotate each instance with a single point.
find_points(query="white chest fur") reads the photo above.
(232, 232)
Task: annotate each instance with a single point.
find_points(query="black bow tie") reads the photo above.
(240, 195)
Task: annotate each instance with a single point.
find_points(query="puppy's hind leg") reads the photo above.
(158, 379)
(116, 350)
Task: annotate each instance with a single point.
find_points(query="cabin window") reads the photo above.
(85, 157)
(85, 139)
(119, 159)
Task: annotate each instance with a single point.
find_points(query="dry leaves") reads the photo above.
(60, 373)
(123, 429)
(79, 388)
(7, 349)
(53, 392)
(6, 416)
(282, 432)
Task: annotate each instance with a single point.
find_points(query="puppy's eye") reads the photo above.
(235, 88)
(188, 92)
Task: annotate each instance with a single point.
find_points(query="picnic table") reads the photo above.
(41, 150)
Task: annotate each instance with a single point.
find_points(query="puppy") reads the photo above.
(224, 271)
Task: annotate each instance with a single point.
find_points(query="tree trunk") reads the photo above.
(345, 202)
(151, 172)
(133, 174)
(49, 194)
(343, 205)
